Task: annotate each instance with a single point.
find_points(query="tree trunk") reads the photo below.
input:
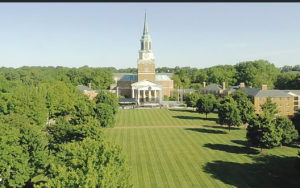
(229, 128)
(206, 115)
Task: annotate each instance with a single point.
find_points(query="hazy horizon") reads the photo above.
(197, 35)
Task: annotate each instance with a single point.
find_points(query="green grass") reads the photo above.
(179, 148)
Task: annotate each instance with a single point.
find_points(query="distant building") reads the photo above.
(214, 89)
(284, 99)
(296, 96)
(87, 90)
(146, 85)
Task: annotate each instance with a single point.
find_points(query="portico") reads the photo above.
(146, 91)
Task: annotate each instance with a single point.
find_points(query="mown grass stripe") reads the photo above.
(177, 148)
(171, 171)
(139, 170)
(162, 180)
(147, 160)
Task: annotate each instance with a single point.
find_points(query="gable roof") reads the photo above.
(295, 92)
(212, 87)
(272, 93)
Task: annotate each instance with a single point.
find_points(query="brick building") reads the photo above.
(146, 85)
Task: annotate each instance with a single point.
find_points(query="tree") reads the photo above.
(244, 104)
(105, 114)
(296, 121)
(229, 113)
(88, 163)
(108, 98)
(24, 152)
(60, 98)
(265, 131)
(289, 133)
(262, 132)
(287, 81)
(269, 108)
(257, 73)
(205, 104)
(191, 99)
(14, 164)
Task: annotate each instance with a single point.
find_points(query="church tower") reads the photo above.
(146, 60)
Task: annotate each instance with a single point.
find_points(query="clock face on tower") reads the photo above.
(146, 56)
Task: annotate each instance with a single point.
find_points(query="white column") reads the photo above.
(144, 95)
(138, 95)
(132, 93)
(160, 96)
(149, 95)
(155, 94)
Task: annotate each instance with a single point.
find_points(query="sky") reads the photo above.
(183, 34)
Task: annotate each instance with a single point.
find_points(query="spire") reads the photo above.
(145, 25)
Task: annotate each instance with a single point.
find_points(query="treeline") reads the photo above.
(252, 73)
(51, 134)
(99, 77)
(288, 68)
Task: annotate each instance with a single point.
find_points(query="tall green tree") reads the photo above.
(269, 108)
(88, 163)
(24, 152)
(289, 133)
(108, 98)
(105, 114)
(229, 113)
(257, 73)
(244, 105)
(191, 99)
(205, 104)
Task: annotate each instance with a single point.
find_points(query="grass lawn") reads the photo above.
(179, 148)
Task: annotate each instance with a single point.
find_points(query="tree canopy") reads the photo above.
(228, 112)
(205, 104)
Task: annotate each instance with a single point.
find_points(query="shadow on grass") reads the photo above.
(195, 118)
(266, 171)
(211, 131)
(294, 145)
(240, 142)
(231, 148)
(221, 127)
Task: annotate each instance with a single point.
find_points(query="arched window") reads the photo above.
(142, 46)
(150, 47)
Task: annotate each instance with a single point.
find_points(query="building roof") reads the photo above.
(133, 78)
(250, 91)
(84, 88)
(272, 93)
(212, 87)
(160, 77)
(296, 92)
